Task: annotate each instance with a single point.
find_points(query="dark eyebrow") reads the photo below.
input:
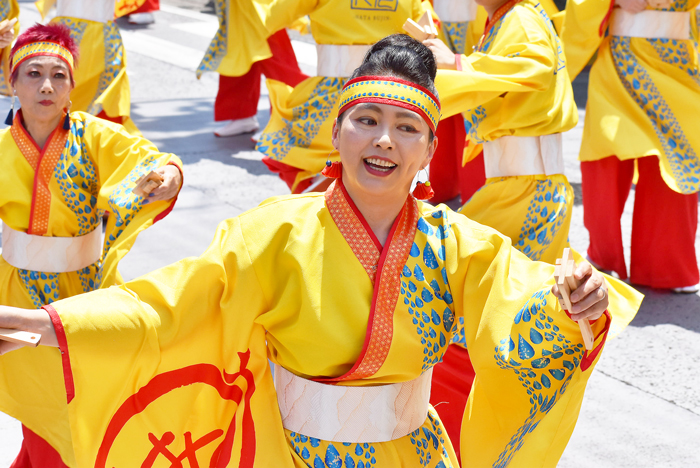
(370, 106)
(409, 115)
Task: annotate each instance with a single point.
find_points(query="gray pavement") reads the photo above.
(642, 408)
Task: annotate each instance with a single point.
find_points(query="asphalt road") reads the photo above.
(642, 407)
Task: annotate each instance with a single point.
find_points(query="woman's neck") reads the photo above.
(40, 130)
(380, 215)
(492, 7)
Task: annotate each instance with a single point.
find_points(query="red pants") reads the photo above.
(664, 223)
(447, 175)
(471, 178)
(238, 95)
(150, 5)
(452, 383)
(36, 453)
(288, 174)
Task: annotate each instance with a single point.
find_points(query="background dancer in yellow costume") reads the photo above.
(296, 141)
(240, 67)
(61, 172)
(360, 287)
(641, 120)
(517, 99)
(101, 83)
(449, 174)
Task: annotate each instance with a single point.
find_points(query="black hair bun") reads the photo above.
(403, 57)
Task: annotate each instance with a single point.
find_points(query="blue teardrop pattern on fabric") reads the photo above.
(306, 122)
(546, 214)
(42, 287)
(318, 453)
(426, 292)
(544, 363)
(681, 156)
(218, 46)
(429, 443)
(124, 205)
(456, 35)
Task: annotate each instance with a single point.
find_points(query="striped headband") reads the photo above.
(394, 92)
(42, 48)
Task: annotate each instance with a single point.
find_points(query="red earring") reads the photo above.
(333, 170)
(423, 191)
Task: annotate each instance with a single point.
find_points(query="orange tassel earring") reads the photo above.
(333, 170)
(423, 191)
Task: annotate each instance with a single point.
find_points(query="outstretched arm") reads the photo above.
(31, 320)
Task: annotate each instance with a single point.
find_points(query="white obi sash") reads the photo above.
(455, 11)
(352, 414)
(339, 60)
(91, 10)
(651, 24)
(516, 156)
(50, 254)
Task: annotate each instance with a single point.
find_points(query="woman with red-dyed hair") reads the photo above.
(101, 83)
(62, 171)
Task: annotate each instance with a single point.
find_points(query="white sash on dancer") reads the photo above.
(651, 24)
(455, 11)
(339, 60)
(91, 10)
(516, 156)
(352, 414)
(50, 254)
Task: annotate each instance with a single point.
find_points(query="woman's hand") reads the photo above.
(7, 32)
(632, 6)
(444, 57)
(6, 38)
(30, 320)
(172, 179)
(590, 299)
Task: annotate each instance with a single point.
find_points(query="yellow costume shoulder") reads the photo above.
(515, 83)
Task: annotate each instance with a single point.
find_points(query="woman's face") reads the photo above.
(382, 147)
(43, 86)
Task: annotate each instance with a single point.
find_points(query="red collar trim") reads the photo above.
(380, 326)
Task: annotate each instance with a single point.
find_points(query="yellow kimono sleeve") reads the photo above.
(120, 159)
(177, 352)
(528, 355)
(521, 59)
(44, 7)
(244, 26)
(582, 32)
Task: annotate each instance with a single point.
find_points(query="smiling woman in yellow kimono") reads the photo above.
(354, 295)
(297, 138)
(61, 173)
